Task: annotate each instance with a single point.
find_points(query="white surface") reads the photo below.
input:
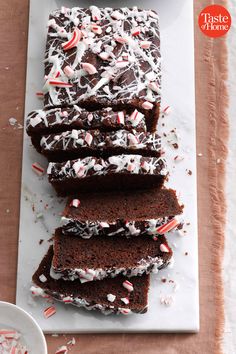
(13, 317)
(230, 234)
(176, 20)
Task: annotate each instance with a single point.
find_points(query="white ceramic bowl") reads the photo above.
(12, 316)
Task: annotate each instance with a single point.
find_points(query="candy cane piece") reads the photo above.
(68, 71)
(125, 311)
(145, 44)
(147, 105)
(89, 68)
(59, 83)
(75, 203)
(170, 225)
(121, 118)
(153, 86)
(128, 285)
(88, 138)
(39, 170)
(164, 248)
(49, 311)
(76, 36)
(62, 350)
(167, 110)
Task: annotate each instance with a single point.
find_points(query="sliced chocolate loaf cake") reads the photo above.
(104, 57)
(57, 120)
(91, 174)
(102, 257)
(150, 212)
(75, 144)
(108, 295)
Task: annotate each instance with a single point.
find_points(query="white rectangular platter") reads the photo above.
(173, 304)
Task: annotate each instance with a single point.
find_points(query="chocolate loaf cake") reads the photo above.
(122, 213)
(104, 57)
(122, 172)
(103, 257)
(75, 144)
(57, 120)
(108, 295)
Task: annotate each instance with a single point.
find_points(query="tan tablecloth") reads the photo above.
(212, 131)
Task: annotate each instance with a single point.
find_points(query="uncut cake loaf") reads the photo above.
(104, 57)
(121, 172)
(107, 295)
(150, 212)
(56, 120)
(102, 257)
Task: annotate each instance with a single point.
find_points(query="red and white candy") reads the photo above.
(88, 138)
(121, 40)
(164, 248)
(75, 203)
(121, 117)
(76, 37)
(147, 105)
(67, 300)
(38, 169)
(62, 350)
(125, 300)
(89, 68)
(125, 311)
(96, 29)
(128, 285)
(167, 110)
(133, 140)
(68, 71)
(145, 44)
(59, 83)
(153, 86)
(170, 225)
(49, 311)
(135, 32)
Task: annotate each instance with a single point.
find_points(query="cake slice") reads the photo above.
(128, 214)
(91, 174)
(108, 295)
(104, 57)
(102, 257)
(42, 122)
(74, 144)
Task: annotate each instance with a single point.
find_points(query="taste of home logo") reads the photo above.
(214, 21)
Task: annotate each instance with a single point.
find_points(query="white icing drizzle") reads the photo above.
(127, 60)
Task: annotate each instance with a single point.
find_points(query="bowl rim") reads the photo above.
(33, 321)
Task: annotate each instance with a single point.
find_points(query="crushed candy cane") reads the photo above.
(38, 169)
(128, 285)
(49, 311)
(10, 342)
(62, 350)
(75, 203)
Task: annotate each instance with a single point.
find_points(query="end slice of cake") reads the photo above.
(150, 212)
(102, 257)
(121, 172)
(107, 295)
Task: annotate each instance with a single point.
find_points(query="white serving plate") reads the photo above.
(176, 21)
(15, 318)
